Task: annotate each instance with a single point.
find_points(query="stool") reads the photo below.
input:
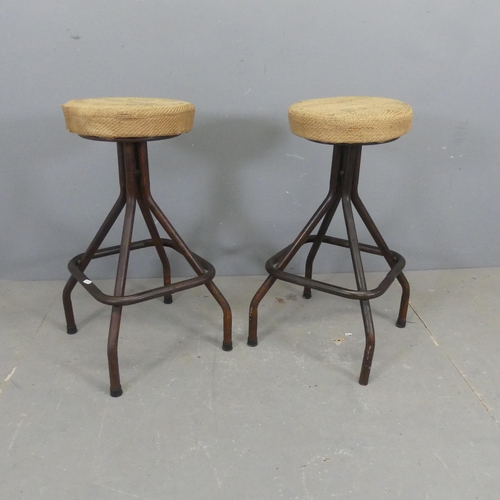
(348, 123)
(131, 123)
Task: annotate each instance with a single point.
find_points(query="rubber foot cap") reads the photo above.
(71, 330)
(117, 393)
(252, 343)
(167, 300)
(401, 323)
(307, 295)
(227, 347)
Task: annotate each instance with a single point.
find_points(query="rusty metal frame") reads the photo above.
(133, 170)
(343, 189)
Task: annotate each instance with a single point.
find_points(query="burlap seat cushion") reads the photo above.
(123, 117)
(350, 120)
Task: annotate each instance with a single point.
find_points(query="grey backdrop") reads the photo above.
(240, 186)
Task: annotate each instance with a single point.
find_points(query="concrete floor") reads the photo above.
(286, 419)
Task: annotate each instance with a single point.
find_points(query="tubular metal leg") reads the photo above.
(380, 242)
(294, 248)
(142, 158)
(317, 243)
(353, 158)
(121, 274)
(335, 182)
(227, 343)
(94, 246)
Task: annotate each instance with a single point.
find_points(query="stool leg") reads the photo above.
(121, 274)
(142, 156)
(252, 340)
(317, 243)
(227, 343)
(379, 241)
(335, 187)
(353, 157)
(366, 366)
(93, 247)
(293, 249)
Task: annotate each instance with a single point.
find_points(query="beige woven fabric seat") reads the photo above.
(350, 120)
(128, 117)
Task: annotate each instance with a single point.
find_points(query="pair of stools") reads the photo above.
(348, 123)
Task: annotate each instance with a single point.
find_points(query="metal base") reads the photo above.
(135, 191)
(343, 188)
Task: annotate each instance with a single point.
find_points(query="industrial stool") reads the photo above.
(131, 123)
(348, 123)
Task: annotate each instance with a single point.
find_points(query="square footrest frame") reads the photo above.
(273, 263)
(135, 298)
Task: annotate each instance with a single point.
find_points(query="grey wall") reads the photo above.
(240, 186)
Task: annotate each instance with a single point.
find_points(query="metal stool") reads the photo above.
(131, 123)
(348, 123)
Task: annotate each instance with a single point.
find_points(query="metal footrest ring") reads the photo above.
(273, 264)
(126, 300)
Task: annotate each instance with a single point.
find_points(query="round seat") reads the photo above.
(350, 120)
(128, 117)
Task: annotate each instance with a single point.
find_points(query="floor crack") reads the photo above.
(43, 320)
(434, 340)
(462, 374)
